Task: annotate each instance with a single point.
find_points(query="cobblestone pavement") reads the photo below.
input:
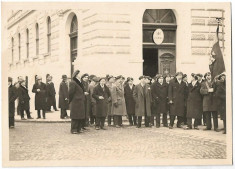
(53, 141)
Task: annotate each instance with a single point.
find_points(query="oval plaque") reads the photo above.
(158, 36)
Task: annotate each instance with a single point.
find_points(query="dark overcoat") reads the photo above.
(220, 94)
(23, 98)
(12, 96)
(76, 99)
(64, 94)
(130, 102)
(138, 95)
(209, 100)
(177, 93)
(40, 97)
(194, 101)
(160, 97)
(50, 93)
(87, 100)
(101, 104)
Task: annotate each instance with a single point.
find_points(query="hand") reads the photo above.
(109, 99)
(210, 90)
(116, 104)
(171, 102)
(65, 99)
(101, 97)
(86, 93)
(38, 90)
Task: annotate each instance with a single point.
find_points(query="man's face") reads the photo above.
(147, 80)
(160, 80)
(65, 79)
(179, 77)
(199, 78)
(130, 82)
(40, 80)
(172, 77)
(185, 79)
(23, 83)
(102, 82)
(168, 79)
(85, 79)
(208, 77)
(143, 80)
(49, 78)
(17, 85)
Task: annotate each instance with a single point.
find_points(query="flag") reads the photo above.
(217, 61)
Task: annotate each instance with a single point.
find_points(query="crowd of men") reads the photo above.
(92, 99)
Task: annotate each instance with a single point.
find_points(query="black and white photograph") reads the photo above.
(116, 84)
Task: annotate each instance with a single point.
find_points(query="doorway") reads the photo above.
(150, 65)
(159, 57)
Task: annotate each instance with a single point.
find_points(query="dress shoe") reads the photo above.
(97, 128)
(12, 127)
(56, 110)
(23, 118)
(196, 128)
(30, 118)
(44, 117)
(179, 126)
(74, 132)
(170, 127)
(62, 118)
(187, 128)
(165, 125)
(225, 132)
(137, 126)
(102, 128)
(157, 126)
(38, 117)
(117, 126)
(206, 129)
(217, 130)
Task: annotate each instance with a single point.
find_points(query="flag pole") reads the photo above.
(217, 30)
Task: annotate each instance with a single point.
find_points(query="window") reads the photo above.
(159, 18)
(49, 35)
(27, 43)
(19, 46)
(12, 50)
(37, 39)
(74, 37)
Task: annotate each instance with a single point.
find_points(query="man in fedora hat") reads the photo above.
(209, 102)
(24, 100)
(39, 88)
(143, 99)
(64, 97)
(77, 102)
(177, 93)
(51, 100)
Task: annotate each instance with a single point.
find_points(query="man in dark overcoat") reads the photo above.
(194, 103)
(39, 88)
(102, 96)
(159, 91)
(77, 103)
(64, 97)
(185, 79)
(200, 80)
(220, 94)
(51, 100)
(24, 100)
(12, 96)
(209, 102)
(130, 102)
(177, 92)
(143, 99)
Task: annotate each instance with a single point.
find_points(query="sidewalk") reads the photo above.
(51, 117)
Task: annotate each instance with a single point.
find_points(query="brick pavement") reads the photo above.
(53, 141)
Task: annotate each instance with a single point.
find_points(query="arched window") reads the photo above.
(27, 43)
(12, 49)
(48, 34)
(37, 39)
(19, 46)
(73, 40)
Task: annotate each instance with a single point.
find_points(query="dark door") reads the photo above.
(150, 65)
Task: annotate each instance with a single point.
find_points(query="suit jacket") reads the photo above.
(130, 102)
(64, 94)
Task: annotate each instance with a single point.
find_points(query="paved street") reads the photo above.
(53, 141)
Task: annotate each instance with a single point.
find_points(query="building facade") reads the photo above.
(115, 40)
